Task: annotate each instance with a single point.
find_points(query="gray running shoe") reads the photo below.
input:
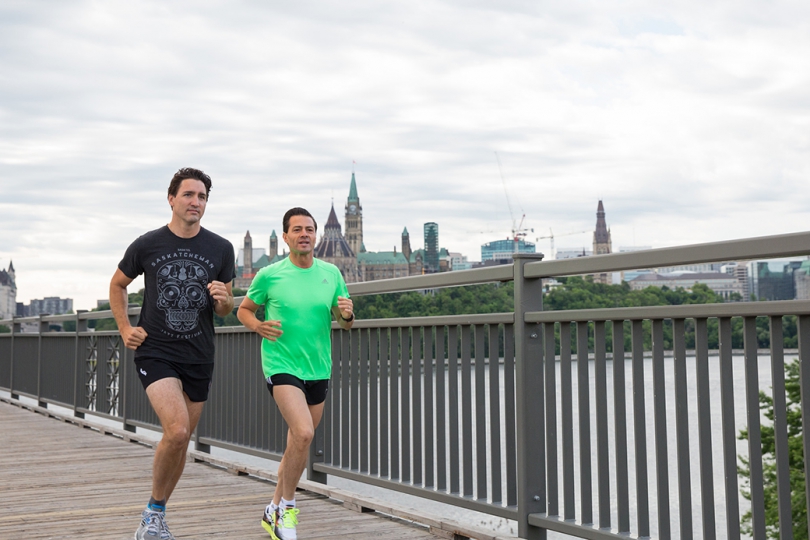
(151, 526)
(165, 534)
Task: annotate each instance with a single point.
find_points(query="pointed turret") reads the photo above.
(601, 236)
(273, 253)
(353, 191)
(247, 256)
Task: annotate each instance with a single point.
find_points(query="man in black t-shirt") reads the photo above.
(188, 273)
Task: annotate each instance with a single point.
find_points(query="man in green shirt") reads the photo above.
(300, 295)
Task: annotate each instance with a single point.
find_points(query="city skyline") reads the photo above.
(689, 121)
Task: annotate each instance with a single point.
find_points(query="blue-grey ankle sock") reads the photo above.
(156, 506)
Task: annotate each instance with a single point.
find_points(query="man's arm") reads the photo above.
(247, 316)
(344, 312)
(133, 336)
(222, 293)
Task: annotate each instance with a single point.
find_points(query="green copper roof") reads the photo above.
(273, 234)
(382, 257)
(353, 191)
(405, 231)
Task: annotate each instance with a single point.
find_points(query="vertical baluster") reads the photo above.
(416, 402)
(452, 377)
(660, 412)
(428, 355)
(705, 428)
(729, 430)
(396, 344)
(620, 426)
(602, 450)
(682, 428)
(363, 420)
(549, 357)
(567, 417)
(441, 411)
(640, 429)
(466, 410)
(385, 391)
(354, 407)
(374, 393)
(754, 434)
(509, 413)
(480, 414)
(782, 452)
(405, 434)
(495, 413)
(584, 399)
(346, 411)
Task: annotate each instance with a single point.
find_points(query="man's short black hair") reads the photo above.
(285, 225)
(186, 173)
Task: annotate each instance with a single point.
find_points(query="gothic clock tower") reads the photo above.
(354, 219)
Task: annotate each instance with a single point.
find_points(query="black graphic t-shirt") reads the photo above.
(178, 311)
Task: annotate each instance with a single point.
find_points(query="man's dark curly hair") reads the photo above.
(186, 173)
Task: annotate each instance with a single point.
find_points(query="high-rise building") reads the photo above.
(498, 250)
(431, 246)
(52, 305)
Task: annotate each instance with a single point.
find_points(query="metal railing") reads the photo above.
(560, 420)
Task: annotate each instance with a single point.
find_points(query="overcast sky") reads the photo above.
(690, 120)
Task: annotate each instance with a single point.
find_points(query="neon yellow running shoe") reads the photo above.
(286, 522)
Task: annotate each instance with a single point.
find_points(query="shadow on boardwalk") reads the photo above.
(61, 481)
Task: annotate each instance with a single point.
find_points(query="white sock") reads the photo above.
(270, 509)
(286, 504)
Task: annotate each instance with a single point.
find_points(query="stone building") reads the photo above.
(8, 292)
(333, 247)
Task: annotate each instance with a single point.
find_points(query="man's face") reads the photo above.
(300, 235)
(189, 203)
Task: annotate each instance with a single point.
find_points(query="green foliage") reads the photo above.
(4, 329)
(109, 324)
(488, 298)
(795, 458)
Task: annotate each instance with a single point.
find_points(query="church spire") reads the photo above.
(353, 191)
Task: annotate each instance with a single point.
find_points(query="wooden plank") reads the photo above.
(60, 481)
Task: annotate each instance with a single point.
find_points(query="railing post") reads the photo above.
(15, 329)
(124, 355)
(529, 398)
(81, 326)
(43, 327)
(316, 456)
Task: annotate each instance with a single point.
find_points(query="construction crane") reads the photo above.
(518, 231)
(551, 237)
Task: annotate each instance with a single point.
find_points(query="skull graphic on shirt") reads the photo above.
(182, 293)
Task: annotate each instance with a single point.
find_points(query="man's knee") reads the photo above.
(177, 434)
(303, 435)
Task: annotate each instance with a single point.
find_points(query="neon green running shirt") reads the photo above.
(302, 299)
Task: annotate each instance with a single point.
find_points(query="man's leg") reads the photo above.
(179, 418)
(302, 419)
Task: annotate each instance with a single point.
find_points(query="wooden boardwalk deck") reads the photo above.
(61, 481)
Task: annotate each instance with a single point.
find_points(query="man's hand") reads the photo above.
(346, 307)
(133, 336)
(218, 292)
(269, 330)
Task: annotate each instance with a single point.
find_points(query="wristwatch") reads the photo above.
(350, 319)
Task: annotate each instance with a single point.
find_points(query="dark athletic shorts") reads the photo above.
(195, 378)
(315, 391)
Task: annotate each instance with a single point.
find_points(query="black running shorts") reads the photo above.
(195, 378)
(314, 391)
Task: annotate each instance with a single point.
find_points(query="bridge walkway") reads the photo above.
(61, 481)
